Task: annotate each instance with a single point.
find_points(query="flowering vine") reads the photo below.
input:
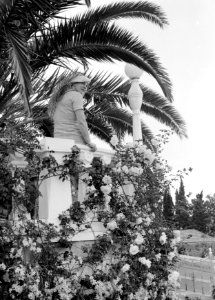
(133, 255)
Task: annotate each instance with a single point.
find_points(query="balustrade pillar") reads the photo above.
(135, 97)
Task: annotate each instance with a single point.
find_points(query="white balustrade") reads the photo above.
(135, 97)
(56, 195)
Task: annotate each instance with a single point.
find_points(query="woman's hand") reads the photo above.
(92, 146)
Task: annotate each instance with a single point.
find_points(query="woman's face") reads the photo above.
(80, 87)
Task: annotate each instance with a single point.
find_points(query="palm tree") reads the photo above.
(31, 44)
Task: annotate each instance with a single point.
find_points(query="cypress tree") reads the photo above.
(168, 206)
(199, 216)
(182, 218)
(210, 212)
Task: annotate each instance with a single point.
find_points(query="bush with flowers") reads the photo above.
(133, 258)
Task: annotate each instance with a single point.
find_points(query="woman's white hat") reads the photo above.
(80, 78)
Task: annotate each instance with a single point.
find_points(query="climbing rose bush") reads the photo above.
(131, 257)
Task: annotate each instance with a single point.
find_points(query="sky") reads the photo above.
(186, 48)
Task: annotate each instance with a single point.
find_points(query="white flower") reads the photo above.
(106, 189)
(149, 155)
(25, 242)
(172, 295)
(114, 140)
(129, 145)
(120, 216)
(133, 249)
(17, 288)
(125, 268)
(33, 247)
(141, 294)
(171, 255)
(173, 243)
(2, 266)
(19, 252)
(147, 221)
(139, 221)
(90, 188)
(158, 256)
(139, 239)
(131, 296)
(135, 171)
(31, 296)
(38, 249)
(20, 271)
(145, 262)
(112, 225)
(150, 276)
(177, 235)
(125, 169)
(173, 279)
(163, 238)
(141, 148)
(117, 170)
(74, 226)
(143, 232)
(107, 179)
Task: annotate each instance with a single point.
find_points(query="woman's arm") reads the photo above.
(82, 123)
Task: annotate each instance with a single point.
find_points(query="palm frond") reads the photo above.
(44, 10)
(119, 119)
(100, 42)
(99, 127)
(156, 106)
(32, 15)
(88, 3)
(103, 88)
(164, 112)
(113, 89)
(115, 11)
(43, 87)
(19, 58)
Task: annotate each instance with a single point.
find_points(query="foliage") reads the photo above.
(210, 212)
(199, 216)
(213, 292)
(135, 255)
(168, 206)
(181, 208)
(17, 141)
(193, 298)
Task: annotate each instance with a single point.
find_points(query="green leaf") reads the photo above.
(20, 63)
(115, 11)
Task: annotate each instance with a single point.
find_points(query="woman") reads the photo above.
(66, 110)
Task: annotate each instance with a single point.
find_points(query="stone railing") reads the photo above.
(56, 195)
